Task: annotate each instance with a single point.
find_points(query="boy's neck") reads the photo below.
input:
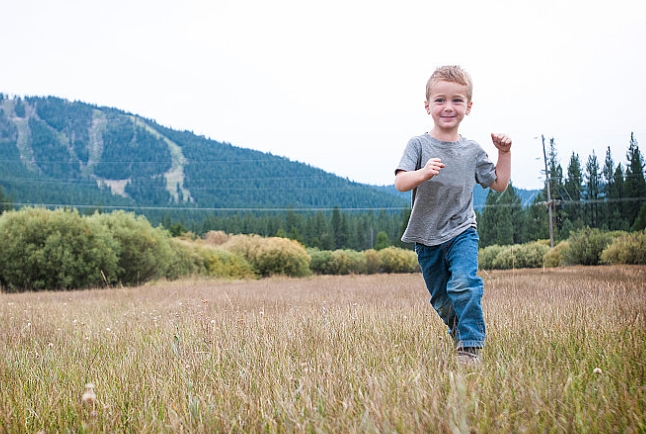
(445, 135)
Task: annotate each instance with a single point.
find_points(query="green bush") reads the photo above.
(505, 259)
(348, 262)
(342, 261)
(223, 264)
(528, 255)
(271, 256)
(373, 261)
(586, 246)
(186, 260)
(42, 249)
(320, 261)
(555, 257)
(145, 252)
(198, 257)
(629, 248)
(396, 260)
(487, 255)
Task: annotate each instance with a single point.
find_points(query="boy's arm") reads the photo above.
(406, 181)
(503, 166)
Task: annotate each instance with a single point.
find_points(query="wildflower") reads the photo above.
(88, 396)
(597, 371)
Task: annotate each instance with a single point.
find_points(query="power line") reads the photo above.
(210, 209)
(308, 209)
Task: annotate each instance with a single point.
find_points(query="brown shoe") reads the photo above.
(469, 356)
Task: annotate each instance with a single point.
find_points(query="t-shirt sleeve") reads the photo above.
(411, 156)
(485, 170)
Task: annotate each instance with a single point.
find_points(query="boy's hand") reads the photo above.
(501, 141)
(433, 167)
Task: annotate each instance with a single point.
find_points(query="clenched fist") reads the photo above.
(501, 141)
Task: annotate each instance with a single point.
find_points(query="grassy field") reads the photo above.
(566, 352)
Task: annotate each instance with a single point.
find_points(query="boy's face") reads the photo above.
(448, 104)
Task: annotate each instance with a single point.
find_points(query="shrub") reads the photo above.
(555, 257)
(396, 260)
(347, 262)
(43, 249)
(487, 255)
(216, 238)
(271, 256)
(528, 255)
(220, 263)
(373, 261)
(626, 249)
(339, 262)
(197, 257)
(505, 259)
(320, 261)
(145, 252)
(185, 261)
(586, 246)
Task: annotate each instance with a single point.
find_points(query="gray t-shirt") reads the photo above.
(443, 205)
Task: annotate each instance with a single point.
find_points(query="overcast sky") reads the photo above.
(339, 84)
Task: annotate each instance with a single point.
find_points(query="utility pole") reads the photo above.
(549, 195)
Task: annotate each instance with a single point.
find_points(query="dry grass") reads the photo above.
(565, 353)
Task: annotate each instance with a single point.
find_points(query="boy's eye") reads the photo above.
(439, 99)
(458, 100)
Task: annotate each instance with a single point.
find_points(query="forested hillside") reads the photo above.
(57, 152)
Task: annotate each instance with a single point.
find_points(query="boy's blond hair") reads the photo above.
(452, 73)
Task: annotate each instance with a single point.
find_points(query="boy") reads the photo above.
(442, 167)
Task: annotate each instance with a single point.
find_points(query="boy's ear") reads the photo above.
(468, 110)
(427, 107)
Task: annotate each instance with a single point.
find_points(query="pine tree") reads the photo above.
(537, 219)
(616, 199)
(556, 187)
(592, 216)
(635, 184)
(606, 187)
(572, 188)
(294, 225)
(339, 229)
(318, 231)
(502, 219)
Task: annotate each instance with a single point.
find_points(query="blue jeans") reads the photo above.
(449, 271)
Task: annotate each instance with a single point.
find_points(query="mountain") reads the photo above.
(57, 152)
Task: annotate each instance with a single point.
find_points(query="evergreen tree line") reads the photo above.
(609, 197)
(324, 230)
